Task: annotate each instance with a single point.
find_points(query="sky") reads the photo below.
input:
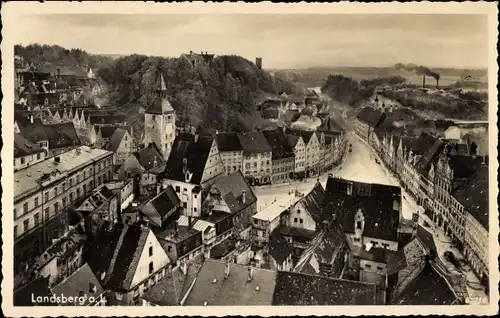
(283, 41)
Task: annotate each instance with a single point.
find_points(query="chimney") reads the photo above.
(437, 83)
(184, 165)
(58, 72)
(250, 274)
(244, 196)
(189, 220)
(227, 268)
(423, 81)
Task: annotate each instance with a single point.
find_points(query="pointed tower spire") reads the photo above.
(161, 88)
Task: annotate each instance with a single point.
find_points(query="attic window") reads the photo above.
(358, 225)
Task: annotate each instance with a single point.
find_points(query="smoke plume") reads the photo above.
(419, 69)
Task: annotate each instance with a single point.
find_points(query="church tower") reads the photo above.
(159, 121)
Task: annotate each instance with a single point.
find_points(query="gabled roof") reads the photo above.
(231, 188)
(213, 289)
(423, 143)
(429, 156)
(228, 141)
(254, 142)
(305, 134)
(279, 248)
(473, 195)
(292, 140)
(82, 281)
(279, 144)
(331, 125)
(374, 200)
(270, 113)
(195, 152)
(161, 104)
(297, 289)
(117, 253)
(61, 135)
(116, 139)
(370, 116)
(150, 157)
(162, 204)
(313, 202)
(24, 147)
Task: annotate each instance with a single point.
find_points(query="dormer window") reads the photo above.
(349, 189)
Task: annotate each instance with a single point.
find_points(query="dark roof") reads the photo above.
(24, 147)
(159, 106)
(305, 134)
(39, 287)
(107, 119)
(313, 202)
(107, 131)
(196, 154)
(430, 156)
(223, 248)
(465, 166)
(163, 203)
(117, 253)
(148, 155)
(254, 142)
(228, 142)
(375, 201)
(396, 262)
(116, 139)
(423, 143)
(292, 140)
(58, 135)
(372, 117)
(297, 232)
(297, 289)
(290, 116)
(428, 288)
(330, 125)
(170, 290)
(270, 113)
(83, 281)
(473, 195)
(211, 286)
(279, 144)
(231, 188)
(426, 238)
(279, 248)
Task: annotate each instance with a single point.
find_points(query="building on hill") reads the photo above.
(127, 260)
(159, 121)
(198, 58)
(367, 120)
(283, 157)
(193, 165)
(470, 202)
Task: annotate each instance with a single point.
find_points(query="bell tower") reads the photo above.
(159, 120)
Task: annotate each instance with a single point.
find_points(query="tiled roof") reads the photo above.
(231, 188)
(375, 201)
(305, 134)
(371, 116)
(106, 131)
(279, 248)
(116, 139)
(24, 147)
(39, 287)
(429, 156)
(212, 289)
(254, 142)
(396, 262)
(170, 290)
(161, 205)
(160, 106)
(423, 143)
(292, 140)
(313, 202)
(150, 157)
(473, 195)
(228, 141)
(425, 237)
(428, 288)
(117, 253)
(82, 281)
(279, 144)
(297, 289)
(223, 248)
(196, 154)
(58, 135)
(465, 166)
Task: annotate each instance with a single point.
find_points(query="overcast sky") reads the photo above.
(283, 41)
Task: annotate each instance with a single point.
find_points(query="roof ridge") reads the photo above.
(135, 261)
(117, 251)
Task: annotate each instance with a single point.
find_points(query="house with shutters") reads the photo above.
(127, 261)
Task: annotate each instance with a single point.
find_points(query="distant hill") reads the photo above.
(213, 95)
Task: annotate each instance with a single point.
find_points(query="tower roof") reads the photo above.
(160, 105)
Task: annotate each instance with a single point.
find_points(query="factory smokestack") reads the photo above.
(423, 81)
(437, 83)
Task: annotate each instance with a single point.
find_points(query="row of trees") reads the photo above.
(211, 94)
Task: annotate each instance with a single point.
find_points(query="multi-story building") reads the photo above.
(283, 158)
(367, 120)
(43, 191)
(159, 121)
(257, 158)
(451, 172)
(312, 150)
(299, 150)
(26, 153)
(471, 201)
(230, 151)
(193, 165)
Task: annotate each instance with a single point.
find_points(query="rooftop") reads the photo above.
(279, 144)
(24, 147)
(231, 188)
(371, 116)
(29, 179)
(275, 209)
(228, 141)
(175, 233)
(254, 142)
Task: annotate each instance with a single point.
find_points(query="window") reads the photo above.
(295, 220)
(301, 221)
(26, 225)
(22, 160)
(151, 268)
(71, 182)
(119, 296)
(78, 192)
(25, 208)
(15, 213)
(56, 207)
(37, 218)
(150, 251)
(379, 268)
(169, 248)
(184, 205)
(71, 197)
(47, 213)
(195, 210)
(38, 156)
(55, 192)
(298, 211)
(63, 202)
(84, 188)
(15, 231)
(368, 266)
(177, 189)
